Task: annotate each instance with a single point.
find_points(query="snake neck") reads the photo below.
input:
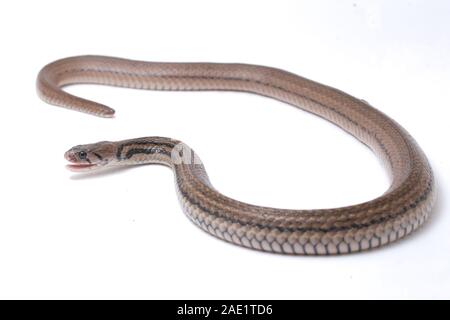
(175, 154)
(160, 150)
(146, 150)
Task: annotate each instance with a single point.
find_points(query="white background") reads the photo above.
(123, 234)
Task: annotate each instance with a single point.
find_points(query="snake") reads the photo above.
(401, 209)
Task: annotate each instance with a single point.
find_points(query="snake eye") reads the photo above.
(82, 155)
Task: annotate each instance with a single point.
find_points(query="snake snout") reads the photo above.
(70, 156)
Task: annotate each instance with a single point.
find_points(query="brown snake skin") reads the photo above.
(393, 215)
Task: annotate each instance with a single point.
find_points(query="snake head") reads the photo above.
(90, 156)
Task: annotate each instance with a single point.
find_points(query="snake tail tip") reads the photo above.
(107, 113)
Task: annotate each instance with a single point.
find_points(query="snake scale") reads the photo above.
(400, 210)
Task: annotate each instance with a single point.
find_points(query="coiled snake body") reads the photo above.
(393, 215)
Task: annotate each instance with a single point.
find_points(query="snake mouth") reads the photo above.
(76, 165)
(81, 167)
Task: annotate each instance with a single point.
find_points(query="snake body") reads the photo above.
(400, 210)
